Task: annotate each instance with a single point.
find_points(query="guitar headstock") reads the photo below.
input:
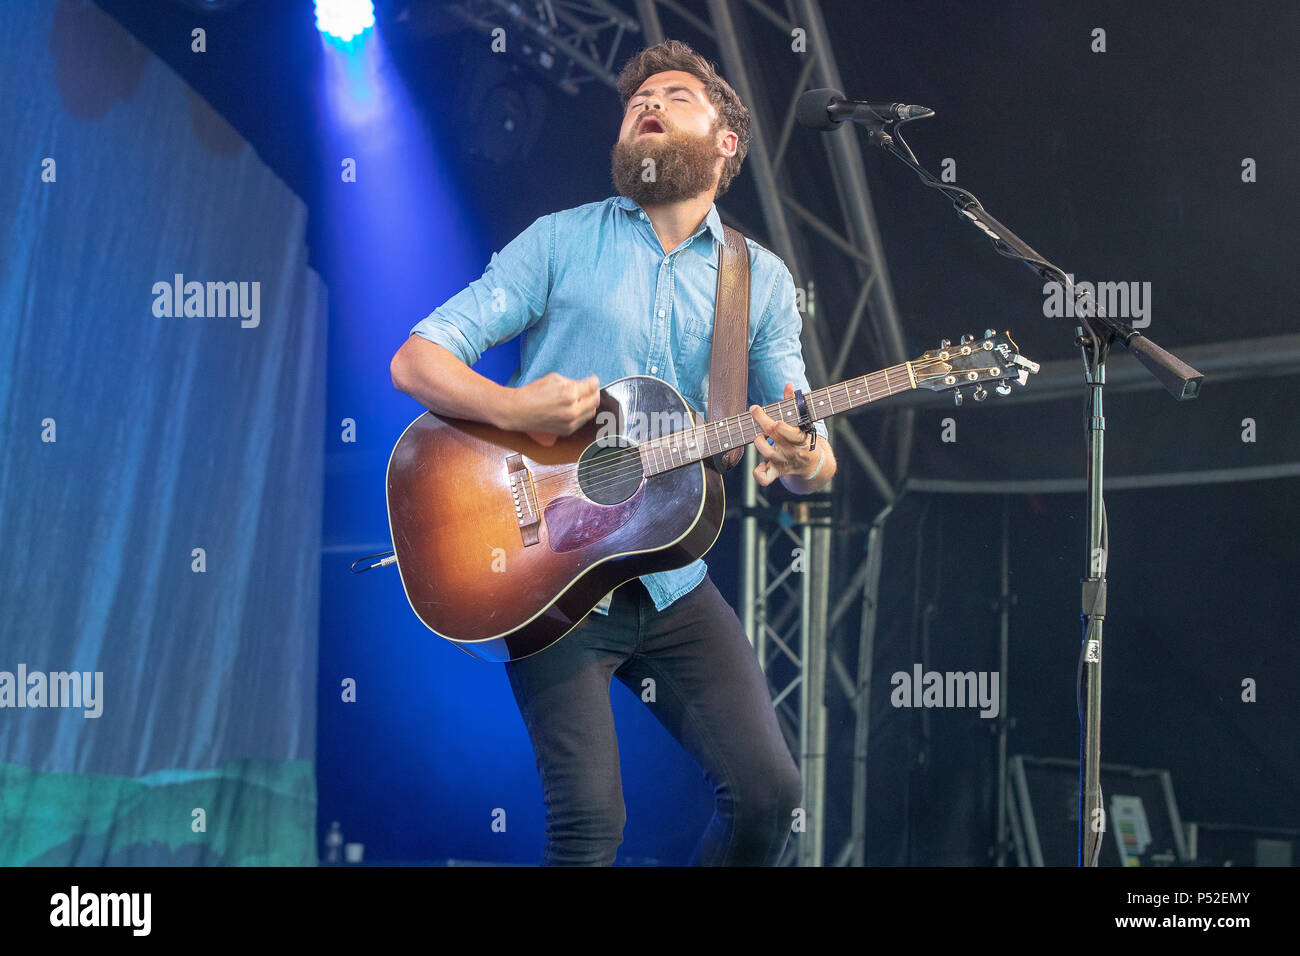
(994, 358)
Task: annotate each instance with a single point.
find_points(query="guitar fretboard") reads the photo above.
(702, 441)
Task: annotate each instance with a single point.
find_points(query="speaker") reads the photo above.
(1141, 822)
(1224, 844)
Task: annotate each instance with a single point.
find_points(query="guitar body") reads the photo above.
(504, 545)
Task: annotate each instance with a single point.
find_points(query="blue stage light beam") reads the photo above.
(394, 233)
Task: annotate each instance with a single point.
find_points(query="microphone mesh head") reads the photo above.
(810, 109)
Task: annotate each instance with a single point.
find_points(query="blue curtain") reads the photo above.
(160, 480)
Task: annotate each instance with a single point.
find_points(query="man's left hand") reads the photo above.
(788, 453)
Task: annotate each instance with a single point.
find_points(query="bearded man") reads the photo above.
(621, 287)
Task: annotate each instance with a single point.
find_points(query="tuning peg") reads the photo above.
(989, 333)
(967, 339)
(980, 393)
(956, 397)
(945, 343)
(1023, 377)
(1003, 388)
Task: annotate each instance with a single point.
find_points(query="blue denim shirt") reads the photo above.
(593, 292)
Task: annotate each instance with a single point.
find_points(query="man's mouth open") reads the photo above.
(650, 125)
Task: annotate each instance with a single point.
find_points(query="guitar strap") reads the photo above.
(729, 362)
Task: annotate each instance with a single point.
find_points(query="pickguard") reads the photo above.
(573, 522)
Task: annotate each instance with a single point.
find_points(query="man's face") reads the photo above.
(670, 145)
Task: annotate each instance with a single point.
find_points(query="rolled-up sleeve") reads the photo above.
(509, 297)
(776, 355)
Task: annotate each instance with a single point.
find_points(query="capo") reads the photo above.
(805, 420)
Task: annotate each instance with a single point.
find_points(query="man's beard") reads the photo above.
(683, 167)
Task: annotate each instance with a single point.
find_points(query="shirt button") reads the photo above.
(665, 260)
(662, 313)
(654, 369)
(642, 215)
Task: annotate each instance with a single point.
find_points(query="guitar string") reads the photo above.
(620, 455)
(596, 467)
(603, 470)
(606, 474)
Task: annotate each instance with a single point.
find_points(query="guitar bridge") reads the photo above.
(525, 499)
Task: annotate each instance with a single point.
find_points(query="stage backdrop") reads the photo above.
(160, 481)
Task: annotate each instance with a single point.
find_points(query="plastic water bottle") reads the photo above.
(333, 843)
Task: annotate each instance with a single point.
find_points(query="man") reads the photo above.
(626, 287)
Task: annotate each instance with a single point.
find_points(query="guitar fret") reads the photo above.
(703, 441)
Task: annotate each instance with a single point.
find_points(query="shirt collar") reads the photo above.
(712, 222)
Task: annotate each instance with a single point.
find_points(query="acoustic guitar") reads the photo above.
(504, 544)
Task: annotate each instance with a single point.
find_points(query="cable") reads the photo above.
(387, 560)
(1044, 268)
(1100, 347)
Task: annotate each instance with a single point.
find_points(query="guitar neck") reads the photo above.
(713, 438)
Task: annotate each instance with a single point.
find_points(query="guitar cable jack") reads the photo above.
(391, 559)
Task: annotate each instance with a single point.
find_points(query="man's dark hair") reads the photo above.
(676, 55)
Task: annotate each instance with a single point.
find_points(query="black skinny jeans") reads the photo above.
(710, 694)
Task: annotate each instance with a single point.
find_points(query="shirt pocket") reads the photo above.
(699, 327)
(694, 353)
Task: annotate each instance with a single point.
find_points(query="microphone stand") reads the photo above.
(1094, 335)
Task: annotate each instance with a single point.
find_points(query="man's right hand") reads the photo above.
(554, 405)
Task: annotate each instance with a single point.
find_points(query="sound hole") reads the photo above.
(609, 470)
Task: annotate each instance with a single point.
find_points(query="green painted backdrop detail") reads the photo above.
(258, 813)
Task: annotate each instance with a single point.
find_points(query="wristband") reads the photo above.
(821, 461)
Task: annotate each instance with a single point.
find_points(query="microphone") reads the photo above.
(824, 109)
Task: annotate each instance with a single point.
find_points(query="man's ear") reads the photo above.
(727, 142)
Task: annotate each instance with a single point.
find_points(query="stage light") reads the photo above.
(344, 19)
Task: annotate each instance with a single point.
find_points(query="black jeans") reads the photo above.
(709, 693)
